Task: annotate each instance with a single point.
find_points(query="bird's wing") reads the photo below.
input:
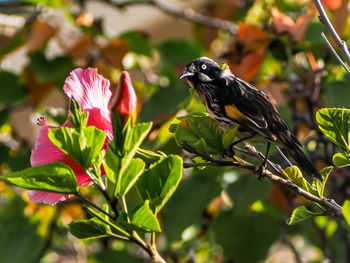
(248, 107)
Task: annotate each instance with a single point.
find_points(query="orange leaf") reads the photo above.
(281, 22)
(252, 36)
(284, 24)
(40, 33)
(332, 4)
(249, 65)
(246, 56)
(298, 31)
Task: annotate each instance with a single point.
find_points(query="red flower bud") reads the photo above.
(124, 99)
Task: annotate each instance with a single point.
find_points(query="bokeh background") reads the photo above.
(216, 214)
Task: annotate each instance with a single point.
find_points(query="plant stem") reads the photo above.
(89, 203)
(101, 186)
(107, 222)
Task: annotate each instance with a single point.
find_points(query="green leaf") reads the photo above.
(341, 160)
(229, 136)
(318, 187)
(55, 69)
(123, 171)
(346, 211)
(111, 163)
(138, 42)
(334, 123)
(179, 51)
(133, 139)
(129, 175)
(159, 182)
(52, 177)
(91, 228)
(82, 146)
(299, 214)
(294, 174)
(203, 134)
(141, 218)
(78, 117)
(11, 90)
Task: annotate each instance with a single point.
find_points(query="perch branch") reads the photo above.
(330, 205)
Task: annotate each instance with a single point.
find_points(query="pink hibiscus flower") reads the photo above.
(92, 92)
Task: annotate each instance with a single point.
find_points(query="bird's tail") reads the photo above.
(302, 160)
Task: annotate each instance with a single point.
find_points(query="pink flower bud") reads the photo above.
(124, 100)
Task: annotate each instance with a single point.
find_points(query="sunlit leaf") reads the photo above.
(159, 181)
(229, 136)
(82, 146)
(334, 123)
(346, 211)
(111, 163)
(128, 176)
(294, 174)
(341, 160)
(299, 214)
(141, 218)
(318, 186)
(133, 139)
(52, 177)
(203, 134)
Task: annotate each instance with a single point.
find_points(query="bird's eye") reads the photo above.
(204, 67)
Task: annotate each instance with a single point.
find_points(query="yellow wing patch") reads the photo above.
(234, 113)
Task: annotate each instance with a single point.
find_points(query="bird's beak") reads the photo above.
(186, 74)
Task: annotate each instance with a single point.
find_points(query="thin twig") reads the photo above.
(327, 23)
(187, 13)
(334, 52)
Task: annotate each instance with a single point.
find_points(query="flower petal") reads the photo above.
(89, 89)
(44, 150)
(97, 120)
(46, 197)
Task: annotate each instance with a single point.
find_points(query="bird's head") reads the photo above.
(201, 70)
